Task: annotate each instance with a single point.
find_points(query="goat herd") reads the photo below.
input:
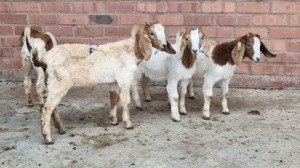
(145, 56)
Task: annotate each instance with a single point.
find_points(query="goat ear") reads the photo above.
(145, 45)
(169, 49)
(265, 51)
(238, 52)
(205, 45)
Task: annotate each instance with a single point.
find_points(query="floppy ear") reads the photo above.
(145, 44)
(169, 49)
(265, 51)
(238, 52)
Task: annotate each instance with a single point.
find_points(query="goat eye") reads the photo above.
(186, 39)
(249, 45)
(152, 34)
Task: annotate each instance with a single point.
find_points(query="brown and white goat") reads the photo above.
(221, 62)
(176, 69)
(43, 42)
(113, 63)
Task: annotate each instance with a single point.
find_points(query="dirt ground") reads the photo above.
(262, 130)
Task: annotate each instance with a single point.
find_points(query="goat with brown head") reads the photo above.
(249, 45)
(150, 35)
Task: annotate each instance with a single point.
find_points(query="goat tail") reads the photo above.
(36, 61)
(27, 32)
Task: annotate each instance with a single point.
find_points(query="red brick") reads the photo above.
(14, 19)
(152, 6)
(6, 52)
(170, 19)
(104, 19)
(281, 81)
(83, 6)
(241, 31)
(243, 68)
(185, 7)
(228, 7)
(73, 19)
(196, 20)
(73, 40)
(292, 70)
(42, 19)
(172, 31)
(294, 20)
(210, 31)
(225, 32)
(253, 7)
(226, 20)
(60, 30)
(26, 6)
(10, 41)
(99, 7)
(6, 30)
(243, 20)
(293, 46)
(56, 6)
(248, 81)
(132, 19)
(270, 69)
(285, 7)
(212, 6)
(275, 45)
(291, 57)
(124, 6)
(269, 20)
(5, 6)
(11, 63)
(284, 33)
(117, 31)
(89, 31)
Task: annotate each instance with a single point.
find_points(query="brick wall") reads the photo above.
(97, 22)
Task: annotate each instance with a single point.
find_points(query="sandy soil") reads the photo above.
(263, 130)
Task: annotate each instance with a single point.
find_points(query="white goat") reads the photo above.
(43, 42)
(221, 62)
(174, 69)
(111, 63)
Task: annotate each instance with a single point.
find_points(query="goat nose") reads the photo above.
(165, 45)
(195, 51)
(257, 59)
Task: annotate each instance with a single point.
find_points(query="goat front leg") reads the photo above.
(26, 68)
(191, 89)
(173, 98)
(145, 87)
(135, 95)
(207, 94)
(225, 88)
(125, 100)
(40, 86)
(183, 90)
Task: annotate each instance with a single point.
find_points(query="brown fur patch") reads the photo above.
(188, 59)
(114, 99)
(37, 34)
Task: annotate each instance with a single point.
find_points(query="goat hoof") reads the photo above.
(147, 100)
(181, 113)
(129, 127)
(30, 105)
(114, 124)
(206, 118)
(192, 97)
(139, 108)
(226, 112)
(175, 120)
(49, 143)
(61, 132)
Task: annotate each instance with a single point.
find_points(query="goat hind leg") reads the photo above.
(191, 89)
(225, 88)
(145, 86)
(135, 96)
(40, 86)
(114, 99)
(183, 90)
(57, 122)
(125, 100)
(26, 68)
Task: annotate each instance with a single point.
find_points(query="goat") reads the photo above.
(113, 63)
(221, 62)
(43, 42)
(174, 69)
